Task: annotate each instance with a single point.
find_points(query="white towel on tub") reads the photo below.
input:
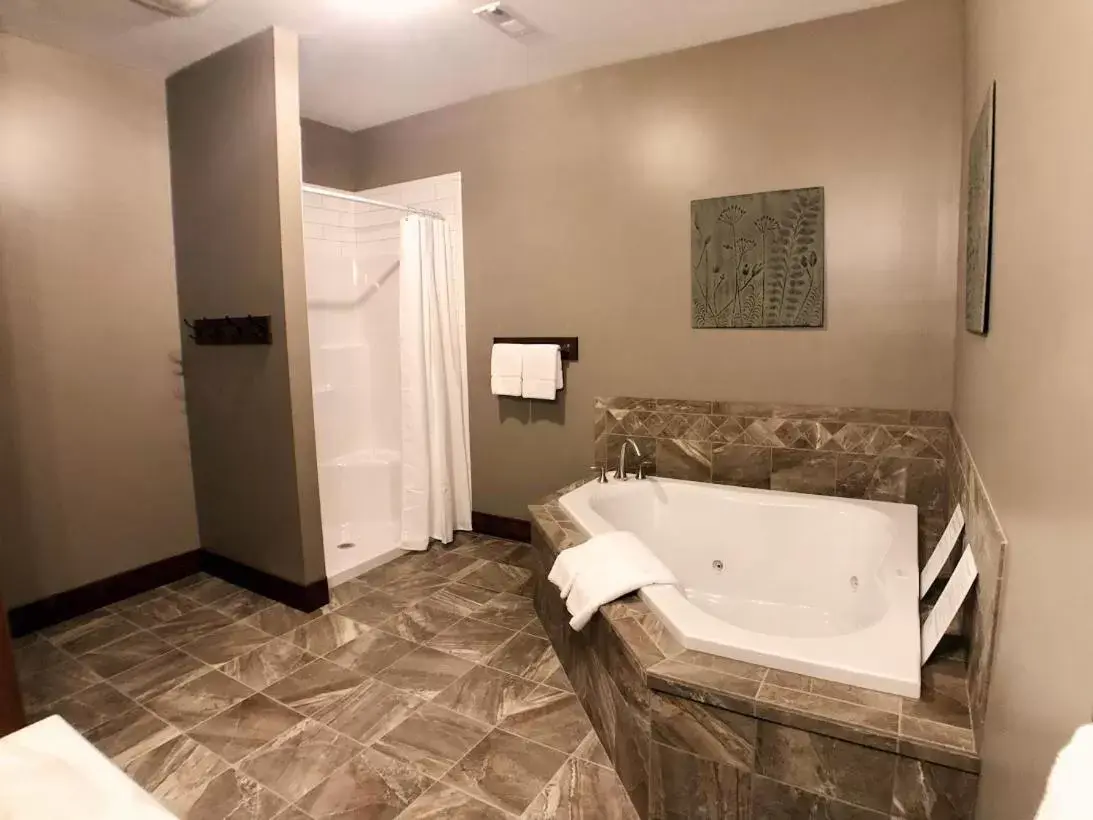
(603, 568)
(1069, 794)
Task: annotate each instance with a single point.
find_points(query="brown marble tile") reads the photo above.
(445, 803)
(373, 608)
(508, 610)
(370, 652)
(317, 687)
(582, 791)
(838, 718)
(704, 685)
(233, 796)
(463, 599)
(803, 471)
(839, 691)
(81, 635)
(188, 582)
(345, 593)
(209, 590)
(591, 749)
(742, 465)
(493, 549)
(550, 717)
(532, 658)
(227, 643)
(292, 813)
(690, 460)
(124, 654)
(535, 628)
(877, 478)
(242, 604)
(704, 731)
(846, 771)
(684, 786)
(129, 735)
(405, 566)
(156, 676)
(433, 739)
(38, 656)
(245, 727)
(470, 639)
(371, 785)
(944, 696)
(420, 622)
(198, 700)
(191, 626)
(89, 708)
(425, 672)
(300, 759)
(370, 711)
(413, 588)
(176, 773)
(278, 619)
(487, 695)
(324, 634)
(164, 607)
(59, 680)
(772, 800)
(453, 565)
(928, 792)
(267, 664)
(505, 771)
(497, 577)
(937, 743)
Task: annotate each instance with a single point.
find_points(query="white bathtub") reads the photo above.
(822, 586)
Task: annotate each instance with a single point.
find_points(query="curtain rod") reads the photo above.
(336, 194)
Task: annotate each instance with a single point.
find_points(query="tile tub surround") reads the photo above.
(743, 741)
(224, 704)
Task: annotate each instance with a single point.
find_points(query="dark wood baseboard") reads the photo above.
(499, 526)
(307, 597)
(81, 600)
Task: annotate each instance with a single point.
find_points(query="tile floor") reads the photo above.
(425, 690)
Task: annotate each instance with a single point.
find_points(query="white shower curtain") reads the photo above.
(436, 459)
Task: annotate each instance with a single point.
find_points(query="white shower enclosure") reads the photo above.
(353, 260)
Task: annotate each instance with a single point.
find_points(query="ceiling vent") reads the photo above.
(505, 21)
(177, 8)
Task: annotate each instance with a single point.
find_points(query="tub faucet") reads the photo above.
(620, 473)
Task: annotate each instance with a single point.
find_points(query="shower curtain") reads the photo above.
(436, 459)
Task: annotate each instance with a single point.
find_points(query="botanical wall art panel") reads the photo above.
(757, 260)
(977, 276)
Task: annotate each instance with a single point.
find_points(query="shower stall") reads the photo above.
(359, 252)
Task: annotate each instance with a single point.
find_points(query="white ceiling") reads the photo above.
(365, 62)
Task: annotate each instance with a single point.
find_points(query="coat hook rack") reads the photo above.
(231, 330)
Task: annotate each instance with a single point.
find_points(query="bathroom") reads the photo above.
(204, 553)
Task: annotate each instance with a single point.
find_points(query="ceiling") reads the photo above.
(365, 62)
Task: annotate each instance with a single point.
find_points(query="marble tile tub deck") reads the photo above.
(426, 689)
(697, 735)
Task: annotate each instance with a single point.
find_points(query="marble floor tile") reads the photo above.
(453, 565)
(373, 608)
(470, 639)
(371, 785)
(292, 813)
(268, 664)
(151, 612)
(324, 634)
(245, 727)
(442, 802)
(315, 688)
(198, 700)
(188, 582)
(370, 711)
(176, 773)
(420, 621)
(130, 735)
(234, 796)
(191, 626)
(154, 677)
(550, 717)
(370, 652)
(536, 628)
(279, 619)
(582, 791)
(487, 695)
(497, 577)
(300, 759)
(413, 588)
(97, 629)
(508, 610)
(425, 672)
(505, 771)
(242, 604)
(501, 552)
(38, 656)
(210, 590)
(462, 599)
(121, 656)
(90, 708)
(532, 658)
(591, 749)
(345, 593)
(406, 566)
(227, 643)
(433, 739)
(59, 680)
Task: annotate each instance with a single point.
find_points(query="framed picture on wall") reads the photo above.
(980, 219)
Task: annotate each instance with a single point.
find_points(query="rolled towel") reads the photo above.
(1069, 794)
(602, 569)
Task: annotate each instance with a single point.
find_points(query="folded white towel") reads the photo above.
(602, 569)
(542, 372)
(1069, 794)
(506, 370)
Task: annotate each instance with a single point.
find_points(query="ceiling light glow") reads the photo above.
(392, 10)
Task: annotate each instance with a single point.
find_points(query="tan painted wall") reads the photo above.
(576, 203)
(235, 163)
(94, 469)
(329, 156)
(1024, 393)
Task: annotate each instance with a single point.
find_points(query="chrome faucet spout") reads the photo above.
(621, 472)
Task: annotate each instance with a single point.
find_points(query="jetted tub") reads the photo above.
(826, 587)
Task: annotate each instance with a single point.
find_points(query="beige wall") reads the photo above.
(94, 469)
(235, 164)
(329, 156)
(576, 203)
(1024, 393)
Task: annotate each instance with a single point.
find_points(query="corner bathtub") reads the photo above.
(821, 586)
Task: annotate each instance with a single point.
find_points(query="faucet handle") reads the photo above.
(602, 477)
(641, 468)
